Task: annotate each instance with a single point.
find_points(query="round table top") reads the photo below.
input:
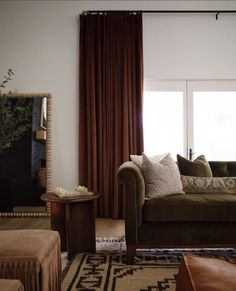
(52, 197)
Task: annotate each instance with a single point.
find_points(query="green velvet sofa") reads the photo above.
(177, 221)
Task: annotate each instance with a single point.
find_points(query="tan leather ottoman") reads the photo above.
(11, 285)
(205, 274)
(33, 257)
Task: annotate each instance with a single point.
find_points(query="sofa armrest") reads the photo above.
(134, 188)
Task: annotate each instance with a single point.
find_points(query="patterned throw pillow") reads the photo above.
(205, 185)
(161, 178)
(138, 160)
(198, 168)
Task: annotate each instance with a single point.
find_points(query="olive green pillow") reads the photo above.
(198, 168)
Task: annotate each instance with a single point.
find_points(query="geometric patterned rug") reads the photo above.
(154, 270)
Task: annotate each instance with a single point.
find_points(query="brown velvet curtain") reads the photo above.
(110, 109)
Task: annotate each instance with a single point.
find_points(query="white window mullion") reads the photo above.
(189, 113)
(186, 122)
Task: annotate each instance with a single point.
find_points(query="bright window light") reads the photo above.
(214, 124)
(163, 123)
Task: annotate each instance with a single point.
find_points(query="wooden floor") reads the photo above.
(105, 228)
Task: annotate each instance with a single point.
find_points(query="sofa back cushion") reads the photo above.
(223, 168)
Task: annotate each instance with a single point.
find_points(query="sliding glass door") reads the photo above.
(190, 118)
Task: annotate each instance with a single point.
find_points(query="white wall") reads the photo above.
(39, 40)
(190, 46)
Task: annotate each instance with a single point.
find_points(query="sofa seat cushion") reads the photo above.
(191, 207)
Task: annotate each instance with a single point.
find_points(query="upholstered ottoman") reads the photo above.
(11, 285)
(33, 257)
(205, 274)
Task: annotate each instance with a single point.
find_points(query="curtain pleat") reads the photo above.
(110, 102)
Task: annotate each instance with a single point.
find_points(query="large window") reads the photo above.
(185, 117)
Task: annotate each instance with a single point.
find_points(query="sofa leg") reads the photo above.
(130, 254)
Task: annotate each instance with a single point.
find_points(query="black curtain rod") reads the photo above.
(217, 12)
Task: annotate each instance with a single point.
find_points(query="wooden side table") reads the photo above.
(74, 219)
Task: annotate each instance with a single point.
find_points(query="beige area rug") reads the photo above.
(111, 244)
(109, 272)
(154, 270)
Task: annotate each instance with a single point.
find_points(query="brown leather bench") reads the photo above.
(205, 274)
(33, 257)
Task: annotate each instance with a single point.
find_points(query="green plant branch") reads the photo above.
(15, 116)
(7, 78)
